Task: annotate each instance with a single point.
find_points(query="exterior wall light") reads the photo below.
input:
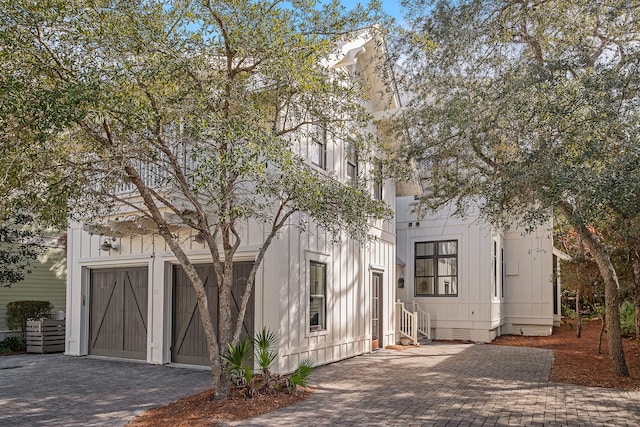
(107, 245)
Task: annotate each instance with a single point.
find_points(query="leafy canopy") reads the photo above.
(520, 107)
(209, 103)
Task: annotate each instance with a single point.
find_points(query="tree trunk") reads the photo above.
(196, 281)
(612, 299)
(603, 325)
(224, 323)
(578, 318)
(205, 317)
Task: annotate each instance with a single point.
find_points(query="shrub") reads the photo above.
(628, 318)
(12, 344)
(300, 376)
(252, 384)
(568, 311)
(19, 311)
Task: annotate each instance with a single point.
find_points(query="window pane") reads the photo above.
(351, 171)
(424, 249)
(447, 248)
(447, 285)
(424, 267)
(351, 153)
(315, 153)
(317, 279)
(424, 286)
(447, 267)
(317, 295)
(316, 312)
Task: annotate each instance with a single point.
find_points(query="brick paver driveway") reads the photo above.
(435, 384)
(57, 390)
(454, 385)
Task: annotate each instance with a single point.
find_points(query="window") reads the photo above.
(436, 268)
(317, 296)
(352, 162)
(502, 275)
(318, 153)
(377, 179)
(495, 268)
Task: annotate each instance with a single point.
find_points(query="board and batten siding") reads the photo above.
(529, 283)
(281, 288)
(46, 282)
(348, 280)
(476, 313)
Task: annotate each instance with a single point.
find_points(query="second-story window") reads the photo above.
(377, 180)
(318, 153)
(352, 162)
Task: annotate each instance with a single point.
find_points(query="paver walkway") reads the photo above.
(441, 384)
(57, 390)
(453, 385)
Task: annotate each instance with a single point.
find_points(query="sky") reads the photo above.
(392, 7)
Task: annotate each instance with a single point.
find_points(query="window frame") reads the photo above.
(352, 162)
(322, 313)
(494, 268)
(436, 256)
(321, 143)
(378, 185)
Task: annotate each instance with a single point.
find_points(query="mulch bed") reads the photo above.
(577, 361)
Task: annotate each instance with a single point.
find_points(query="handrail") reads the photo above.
(407, 322)
(424, 320)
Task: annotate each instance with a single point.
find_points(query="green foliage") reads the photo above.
(264, 341)
(12, 344)
(21, 244)
(568, 311)
(628, 318)
(517, 109)
(238, 365)
(524, 110)
(19, 311)
(300, 376)
(201, 109)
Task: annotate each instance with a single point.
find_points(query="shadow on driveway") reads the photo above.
(453, 384)
(57, 390)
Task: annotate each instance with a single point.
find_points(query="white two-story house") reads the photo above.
(127, 297)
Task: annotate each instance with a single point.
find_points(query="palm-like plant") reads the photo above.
(264, 341)
(238, 365)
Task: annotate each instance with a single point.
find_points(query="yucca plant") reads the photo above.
(300, 376)
(263, 342)
(238, 365)
(241, 373)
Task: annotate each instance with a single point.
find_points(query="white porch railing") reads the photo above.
(411, 323)
(406, 322)
(424, 320)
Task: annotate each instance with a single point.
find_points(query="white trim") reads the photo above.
(127, 260)
(322, 258)
(377, 268)
(557, 252)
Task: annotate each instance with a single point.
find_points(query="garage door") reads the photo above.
(189, 344)
(118, 313)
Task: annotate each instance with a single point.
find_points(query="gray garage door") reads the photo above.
(189, 342)
(118, 313)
